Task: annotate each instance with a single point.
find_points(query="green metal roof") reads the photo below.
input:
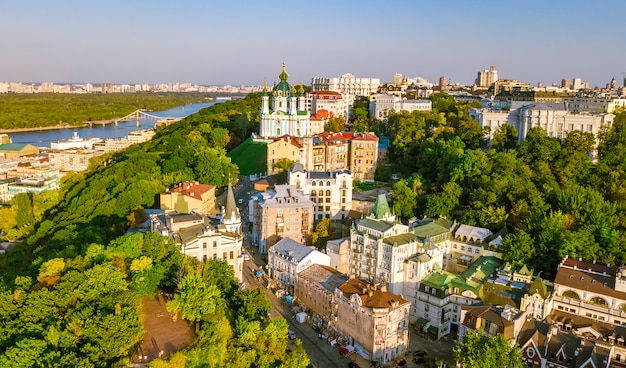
(430, 230)
(381, 207)
(481, 268)
(377, 225)
(442, 280)
(400, 239)
(13, 146)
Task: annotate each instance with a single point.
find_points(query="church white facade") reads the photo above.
(287, 113)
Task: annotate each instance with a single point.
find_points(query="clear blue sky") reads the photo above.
(245, 42)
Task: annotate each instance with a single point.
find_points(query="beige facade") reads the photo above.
(375, 321)
(363, 156)
(315, 288)
(285, 147)
(188, 197)
(72, 160)
(11, 150)
(283, 212)
(339, 252)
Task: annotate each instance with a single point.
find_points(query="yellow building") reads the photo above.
(285, 147)
(11, 150)
(188, 197)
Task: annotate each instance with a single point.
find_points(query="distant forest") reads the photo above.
(34, 110)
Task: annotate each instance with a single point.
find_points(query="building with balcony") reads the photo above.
(592, 290)
(379, 246)
(330, 101)
(374, 321)
(280, 213)
(331, 191)
(287, 258)
(315, 288)
(72, 160)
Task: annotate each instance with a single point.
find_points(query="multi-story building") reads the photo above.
(381, 105)
(189, 197)
(339, 252)
(72, 160)
(281, 213)
(491, 320)
(486, 78)
(379, 246)
(315, 288)
(331, 191)
(206, 238)
(330, 101)
(288, 257)
(287, 113)
(35, 184)
(363, 156)
(347, 84)
(141, 135)
(285, 147)
(552, 117)
(375, 321)
(75, 142)
(591, 290)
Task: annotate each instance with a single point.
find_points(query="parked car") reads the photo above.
(400, 362)
(246, 257)
(240, 201)
(291, 334)
(419, 353)
(353, 365)
(417, 360)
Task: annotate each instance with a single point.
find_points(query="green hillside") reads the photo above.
(250, 157)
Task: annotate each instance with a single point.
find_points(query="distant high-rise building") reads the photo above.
(565, 83)
(578, 84)
(487, 77)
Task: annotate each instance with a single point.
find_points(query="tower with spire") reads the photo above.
(231, 218)
(286, 112)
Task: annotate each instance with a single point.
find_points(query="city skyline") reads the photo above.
(245, 42)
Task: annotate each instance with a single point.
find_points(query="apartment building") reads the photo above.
(72, 160)
(331, 191)
(284, 147)
(287, 258)
(375, 321)
(189, 197)
(364, 156)
(330, 101)
(379, 246)
(592, 290)
(315, 288)
(281, 213)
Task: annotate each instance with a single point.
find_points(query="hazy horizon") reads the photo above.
(246, 42)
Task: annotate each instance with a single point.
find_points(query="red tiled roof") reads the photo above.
(289, 139)
(591, 266)
(192, 189)
(322, 114)
(333, 93)
(377, 299)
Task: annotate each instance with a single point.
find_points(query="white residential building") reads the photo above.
(382, 105)
(288, 257)
(331, 191)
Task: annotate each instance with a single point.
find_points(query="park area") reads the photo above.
(163, 336)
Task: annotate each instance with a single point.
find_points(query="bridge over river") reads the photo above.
(137, 116)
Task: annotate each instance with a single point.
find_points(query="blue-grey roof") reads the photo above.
(544, 106)
(291, 250)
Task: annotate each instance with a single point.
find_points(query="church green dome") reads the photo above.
(283, 88)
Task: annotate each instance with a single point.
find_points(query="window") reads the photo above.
(204, 245)
(224, 256)
(214, 255)
(214, 244)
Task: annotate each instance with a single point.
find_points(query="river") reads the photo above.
(110, 131)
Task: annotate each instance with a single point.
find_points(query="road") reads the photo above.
(322, 355)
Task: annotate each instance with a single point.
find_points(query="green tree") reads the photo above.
(323, 230)
(480, 351)
(505, 138)
(25, 215)
(335, 124)
(404, 199)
